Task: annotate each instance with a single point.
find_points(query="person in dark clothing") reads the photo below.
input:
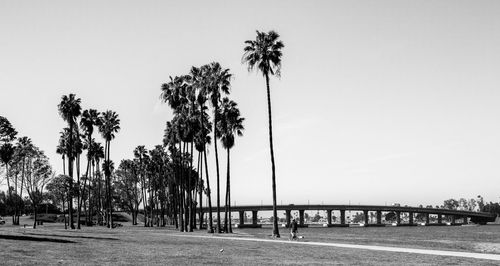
(293, 229)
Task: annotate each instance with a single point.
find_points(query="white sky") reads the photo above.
(379, 101)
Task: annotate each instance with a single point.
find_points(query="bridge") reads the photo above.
(452, 215)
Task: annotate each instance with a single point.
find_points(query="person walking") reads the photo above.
(293, 230)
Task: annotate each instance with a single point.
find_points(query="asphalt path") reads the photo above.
(474, 255)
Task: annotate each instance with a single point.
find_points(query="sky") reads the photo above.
(379, 102)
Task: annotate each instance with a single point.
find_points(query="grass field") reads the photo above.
(51, 244)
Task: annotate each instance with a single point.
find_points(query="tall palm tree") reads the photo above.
(108, 127)
(218, 82)
(98, 154)
(230, 124)
(90, 118)
(264, 53)
(69, 109)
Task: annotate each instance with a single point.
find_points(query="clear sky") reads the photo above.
(379, 101)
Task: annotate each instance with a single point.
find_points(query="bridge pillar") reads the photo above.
(379, 217)
(329, 216)
(301, 217)
(464, 220)
(427, 218)
(254, 217)
(398, 217)
(288, 217)
(242, 217)
(410, 214)
(440, 218)
(365, 214)
(342, 216)
(453, 220)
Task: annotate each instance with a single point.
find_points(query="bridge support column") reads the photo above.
(254, 217)
(410, 221)
(379, 217)
(440, 218)
(464, 220)
(329, 216)
(342, 216)
(242, 217)
(366, 216)
(453, 220)
(288, 217)
(301, 217)
(427, 219)
(398, 218)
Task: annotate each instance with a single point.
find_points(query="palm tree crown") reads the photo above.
(70, 108)
(230, 123)
(264, 53)
(109, 125)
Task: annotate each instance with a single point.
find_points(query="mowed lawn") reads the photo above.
(51, 244)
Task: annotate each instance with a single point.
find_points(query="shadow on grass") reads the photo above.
(89, 237)
(38, 239)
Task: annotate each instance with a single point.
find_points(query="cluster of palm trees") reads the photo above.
(189, 96)
(76, 138)
(27, 169)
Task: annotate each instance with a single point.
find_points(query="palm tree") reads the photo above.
(69, 109)
(230, 124)
(98, 154)
(90, 118)
(218, 82)
(108, 126)
(264, 53)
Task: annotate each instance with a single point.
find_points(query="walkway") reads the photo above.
(485, 256)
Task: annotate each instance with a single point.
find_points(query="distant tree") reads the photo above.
(126, 188)
(390, 216)
(359, 217)
(480, 203)
(451, 204)
(58, 189)
(40, 175)
(316, 218)
(463, 204)
(472, 204)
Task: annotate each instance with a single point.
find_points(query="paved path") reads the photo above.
(485, 256)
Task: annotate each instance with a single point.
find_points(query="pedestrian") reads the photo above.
(293, 229)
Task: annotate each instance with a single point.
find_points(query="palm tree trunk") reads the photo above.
(82, 193)
(200, 187)
(64, 213)
(7, 177)
(209, 195)
(226, 227)
(109, 189)
(64, 165)
(275, 212)
(229, 191)
(79, 195)
(217, 167)
(190, 198)
(70, 172)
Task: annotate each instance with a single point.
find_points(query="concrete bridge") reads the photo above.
(453, 215)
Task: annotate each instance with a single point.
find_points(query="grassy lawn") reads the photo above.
(51, 244)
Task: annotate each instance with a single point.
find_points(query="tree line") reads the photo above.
(169, 181)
